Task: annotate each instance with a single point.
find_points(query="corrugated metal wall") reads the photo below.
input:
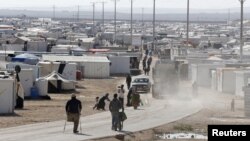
(96, 69)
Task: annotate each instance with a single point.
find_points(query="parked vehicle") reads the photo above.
(141, 84)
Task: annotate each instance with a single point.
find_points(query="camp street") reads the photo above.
(153, 114)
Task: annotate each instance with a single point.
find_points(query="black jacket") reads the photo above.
(74, 106)
(128, 79)
(115, 105)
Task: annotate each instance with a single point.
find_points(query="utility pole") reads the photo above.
(115, 23)
(78, 13)
(142, 15)
(229, 17)
(142, 19)
(131, 24)
(241, 29)
(154, 26)
(93, 27)
(54, 12)
(187, 22)
(103, 20)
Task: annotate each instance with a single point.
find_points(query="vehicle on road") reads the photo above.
(141, 84)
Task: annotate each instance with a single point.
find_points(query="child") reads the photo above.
(97, 101)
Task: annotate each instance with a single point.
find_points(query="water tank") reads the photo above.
(34, 92)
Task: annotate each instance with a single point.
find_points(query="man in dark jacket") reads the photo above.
(114, 107)
(73, 109)
(128, 80)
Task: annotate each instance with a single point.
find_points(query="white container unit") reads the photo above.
(119, 65)
(90, 66)
(11, 66)
(226, 79)
(7, 96)
(241, 81)
(246, 90)
(26, 80)
(202, 74)
(96, 69)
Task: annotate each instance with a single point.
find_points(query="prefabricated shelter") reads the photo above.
(201, 73)
(226, 80)
(67, 70)
(7, 96)
(183, 70)
(63, 48)
(11, 67)
(241, 81)
(119, 64)
(54, 83)
(246, 90)
(90, 66)
(27, 81)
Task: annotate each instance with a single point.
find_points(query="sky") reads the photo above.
(86, 4)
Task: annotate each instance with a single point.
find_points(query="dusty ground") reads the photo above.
(52, 110)
(217, 110)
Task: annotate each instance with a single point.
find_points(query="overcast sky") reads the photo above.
(195, 4)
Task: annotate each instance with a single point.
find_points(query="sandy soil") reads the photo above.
(217, 110)
(52, 110)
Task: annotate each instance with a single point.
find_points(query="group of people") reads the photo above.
(116, 106)
(146, 63)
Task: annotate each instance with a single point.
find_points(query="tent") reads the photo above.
(54, 83)
(26, 58)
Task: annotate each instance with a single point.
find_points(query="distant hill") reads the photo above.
(164, 14)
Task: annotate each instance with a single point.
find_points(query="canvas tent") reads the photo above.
(54, 83)
(26, 58)
(67, 70)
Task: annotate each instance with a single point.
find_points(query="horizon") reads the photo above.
(201, 5)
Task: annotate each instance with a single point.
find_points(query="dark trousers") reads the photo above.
(74, 117)
(121, 100)
(115, 120)
(128, 84)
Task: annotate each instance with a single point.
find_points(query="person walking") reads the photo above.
(128, 80)
(195, 88)
(129, 96)
(149, 61)
(73, 109)
(114, 107)
(135, 100)
(121, 93)
(147, 70)
(232, 105)
(144, 64)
